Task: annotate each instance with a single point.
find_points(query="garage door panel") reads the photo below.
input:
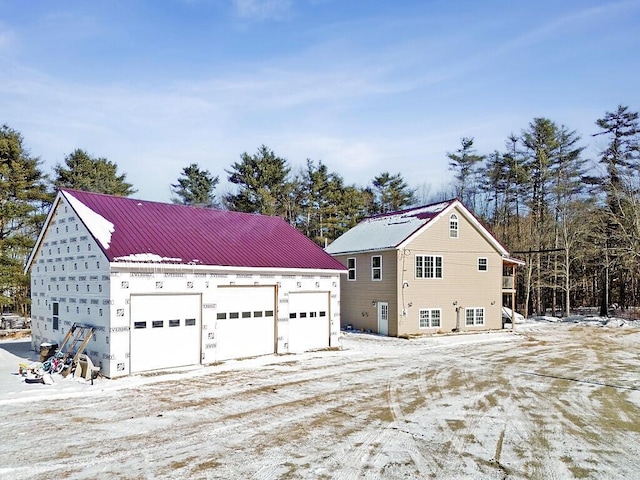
(309, 326)
(245, 325)
(165, 331)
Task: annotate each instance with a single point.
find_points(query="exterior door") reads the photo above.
(245, 322)
(165, 331)
(383, 318)
(309, 326)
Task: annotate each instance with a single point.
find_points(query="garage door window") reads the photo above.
(257, 314)
(221, 316)
(323, 314)
(234, 315)
(139, 325)
(157, 324)
(268, 313)
(190, 322)
(174, 323)
(246, 314)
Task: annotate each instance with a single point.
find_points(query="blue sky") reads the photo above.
(366, 86)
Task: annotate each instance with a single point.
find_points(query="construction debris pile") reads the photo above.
(67, 359)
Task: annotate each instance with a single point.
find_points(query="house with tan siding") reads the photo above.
(431, 269)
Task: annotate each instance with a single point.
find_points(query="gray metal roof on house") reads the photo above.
(386, 231)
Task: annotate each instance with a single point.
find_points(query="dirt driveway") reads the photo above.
(550, 401)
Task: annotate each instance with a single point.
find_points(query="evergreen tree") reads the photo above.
(541, 146)
(23, 198)
(620, 158)
(195, 187)
(81, 171)
(573, 213)
(263, 185)
(465, 163)
(391, 193)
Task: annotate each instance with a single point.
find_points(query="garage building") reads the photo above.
(169, 285)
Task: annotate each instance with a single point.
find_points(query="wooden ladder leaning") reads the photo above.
(75, 340)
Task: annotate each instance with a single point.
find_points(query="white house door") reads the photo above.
(309, 326)
(165, 331)
(383, 318)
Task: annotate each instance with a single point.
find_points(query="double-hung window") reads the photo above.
(429, 317)
(351, 266)
(453, 226)
(376, 267)
(428, 266)
(474, 316)
(482, 264)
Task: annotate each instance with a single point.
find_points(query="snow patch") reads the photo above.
(146, 257)
(100, 227)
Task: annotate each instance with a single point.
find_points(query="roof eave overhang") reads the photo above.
(513, 261)
(367, 250)
(45, 227)
(122, 266)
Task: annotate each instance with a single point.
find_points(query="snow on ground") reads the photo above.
(548, 400)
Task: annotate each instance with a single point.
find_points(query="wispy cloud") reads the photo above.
(263, 9)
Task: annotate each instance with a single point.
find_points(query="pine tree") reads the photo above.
(195, 187)
(23, 200)
(620, 158)
(263, 185)
(391, 193)
(465, 163)
(81, 171)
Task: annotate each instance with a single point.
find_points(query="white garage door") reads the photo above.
(165, 331)
(245, 322)
(308, 321)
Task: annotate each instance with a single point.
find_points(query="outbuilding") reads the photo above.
(168, 285)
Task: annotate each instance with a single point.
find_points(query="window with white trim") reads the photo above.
(351, 265)
(428, 266)
(376, 267)
(483, 264)
(429, 317)
(474, 316)
(453, 226)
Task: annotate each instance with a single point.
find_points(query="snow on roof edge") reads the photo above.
(101, 228)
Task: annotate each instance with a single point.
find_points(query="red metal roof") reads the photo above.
(188, 235)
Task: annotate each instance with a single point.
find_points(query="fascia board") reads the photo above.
(45, 227)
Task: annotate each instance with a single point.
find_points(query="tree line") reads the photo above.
(576, 221)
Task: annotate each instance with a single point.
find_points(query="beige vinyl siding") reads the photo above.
(462, 285)
(358, 299)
